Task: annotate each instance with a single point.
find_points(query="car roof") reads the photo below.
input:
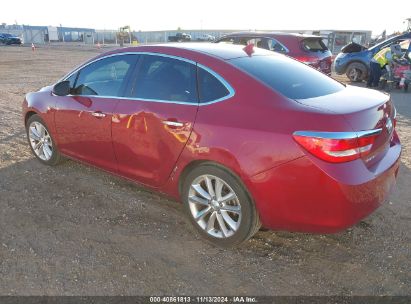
(222, 51)
(268, 34)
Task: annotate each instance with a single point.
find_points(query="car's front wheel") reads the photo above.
(41, 143)
(219, 206)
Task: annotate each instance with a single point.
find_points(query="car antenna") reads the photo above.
(249, 49)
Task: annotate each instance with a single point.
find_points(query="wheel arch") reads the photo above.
(29, 114)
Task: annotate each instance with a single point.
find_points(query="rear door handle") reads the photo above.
(173, 123)
(98, 114)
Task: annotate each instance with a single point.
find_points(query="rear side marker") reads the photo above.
(337, 147)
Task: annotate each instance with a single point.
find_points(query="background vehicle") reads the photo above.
(356, 64)
(305, 48)
(9, 39)
(400, 77)
(206, 37)
(165, 115)
(179, 37)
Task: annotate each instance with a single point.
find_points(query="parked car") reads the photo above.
(9, 39)
(305, 48)
(356, 64)
(179, 37)
(292, 150)
(206, 37)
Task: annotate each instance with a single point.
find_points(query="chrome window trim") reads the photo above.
(219, 78)
(137, 99)
(338, 135)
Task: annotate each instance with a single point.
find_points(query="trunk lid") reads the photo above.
(364, 110)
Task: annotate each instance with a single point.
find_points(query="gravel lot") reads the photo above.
(75, 230)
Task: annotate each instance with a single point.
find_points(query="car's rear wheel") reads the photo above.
(356, 72)
(41, 143)
(219, 206)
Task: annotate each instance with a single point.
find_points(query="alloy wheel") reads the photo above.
(214, 206)
(40, 141)
(354, 74)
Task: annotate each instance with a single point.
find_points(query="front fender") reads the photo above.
(41, 103)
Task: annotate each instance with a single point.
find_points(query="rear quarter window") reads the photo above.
(289, 77)
(210, 88)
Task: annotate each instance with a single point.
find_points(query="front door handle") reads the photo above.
(171, 123)
(98, 114)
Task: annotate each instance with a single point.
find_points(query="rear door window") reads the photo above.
(289, 77)
(165, 79)
(257, 41)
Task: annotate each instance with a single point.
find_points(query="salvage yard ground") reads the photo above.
(75, 230)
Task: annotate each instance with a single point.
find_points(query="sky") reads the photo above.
(211, 14)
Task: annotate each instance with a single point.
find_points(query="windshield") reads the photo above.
(289, 77)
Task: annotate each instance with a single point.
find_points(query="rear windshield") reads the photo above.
(313, 45)
(289, 77)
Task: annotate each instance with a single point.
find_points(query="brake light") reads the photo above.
(337, 147)
(307, 59)
(395, 117)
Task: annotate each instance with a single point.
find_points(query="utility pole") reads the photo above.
(62, 33)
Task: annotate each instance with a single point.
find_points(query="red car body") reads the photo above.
(294, 45)
(250, 133)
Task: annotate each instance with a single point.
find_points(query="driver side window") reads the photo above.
(105, 77)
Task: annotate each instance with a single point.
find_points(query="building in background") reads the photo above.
(334, 39)
(49, 34)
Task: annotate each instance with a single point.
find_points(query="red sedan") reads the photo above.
(309, 49)
(244, 137)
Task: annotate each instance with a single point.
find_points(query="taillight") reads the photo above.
(307, 59)
(337, 147)
(394, 117)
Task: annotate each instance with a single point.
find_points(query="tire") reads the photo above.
(222, 221)
(38, 135)
(356, 72)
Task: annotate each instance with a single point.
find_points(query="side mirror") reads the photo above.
(62, 88)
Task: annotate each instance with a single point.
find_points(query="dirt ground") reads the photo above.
(75, 230)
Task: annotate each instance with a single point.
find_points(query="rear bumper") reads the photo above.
(303, 196)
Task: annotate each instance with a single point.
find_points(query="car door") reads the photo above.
(83, 118)
(153, 124)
